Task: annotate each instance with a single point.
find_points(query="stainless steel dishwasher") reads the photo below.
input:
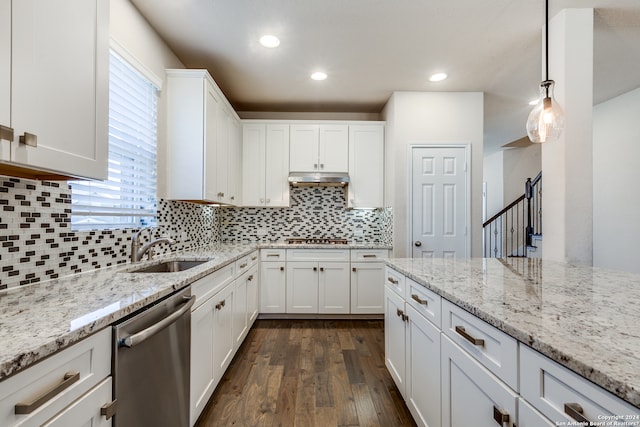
(151, 365)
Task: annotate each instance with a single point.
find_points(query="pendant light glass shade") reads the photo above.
(546, 120)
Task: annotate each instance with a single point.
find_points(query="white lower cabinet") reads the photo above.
(422, 363)
(226, 307)
(412, 356)
(302, 287)
(273, 287)
(529, 417)
(333, 288)
(86, 410)
(318, 287)
(81, 378)
(367, 281)
(471, 395)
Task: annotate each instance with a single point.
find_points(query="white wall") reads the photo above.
(493, 177)
(616, 175)
(131, 31)
(431, 118)
(520, 164)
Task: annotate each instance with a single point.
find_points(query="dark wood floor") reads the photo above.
(308, 373)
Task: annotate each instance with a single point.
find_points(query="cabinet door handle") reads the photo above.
(221, 194)
(354, 269)
(268, 201)
(253, 258)
(475, 341)
(399, 312)
(321, 165)
(29, 139)
(28, 407)
(6, 133)
(419, 300)
(109, 409)
(220, 305)
(315, 166)
(501, 416)
(321, 268)
(392, 280)
(250, 278)
(315, 268)
(281, 268)
(575, 411)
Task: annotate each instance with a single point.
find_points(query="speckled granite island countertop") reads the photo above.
(587, 319)
(38, 320)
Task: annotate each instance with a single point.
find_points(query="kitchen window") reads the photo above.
(127, 199)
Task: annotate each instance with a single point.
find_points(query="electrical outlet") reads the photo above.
(262, 231)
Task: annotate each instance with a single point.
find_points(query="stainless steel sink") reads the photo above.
(169, 266)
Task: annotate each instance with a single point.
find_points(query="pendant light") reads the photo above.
(546, 120)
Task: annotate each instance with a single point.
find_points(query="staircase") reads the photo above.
(516, 231)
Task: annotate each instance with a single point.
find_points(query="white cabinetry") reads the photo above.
(223, 337)
(54, 77)
(318, 281)
(200, 134)
(319, 148)
(265, 164)
(367, 281)
(366, 166)
(412, 356)
(81, 377)
(273, 281)
(471, 395)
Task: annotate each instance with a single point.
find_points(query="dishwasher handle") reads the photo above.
(137, 338)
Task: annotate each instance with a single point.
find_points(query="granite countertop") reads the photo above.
(584, 318)
(355, 245)
(40, 319)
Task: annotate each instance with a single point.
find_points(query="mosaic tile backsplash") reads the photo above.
(37, 243)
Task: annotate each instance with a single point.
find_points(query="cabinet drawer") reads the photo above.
(494, 349)
(272, 255)
(245, 263)
(426, 302)
(529, 417)
(368, 255)
(318, 255)
(394, 280)
(86, 364)
(548, 387)
(208, 286)
(86, 410)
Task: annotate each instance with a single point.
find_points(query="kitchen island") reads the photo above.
(586, 319)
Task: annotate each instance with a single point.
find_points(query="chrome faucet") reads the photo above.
(138, 252)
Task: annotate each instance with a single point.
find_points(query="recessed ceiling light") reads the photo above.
(269, 41)
(438, 77)
(319, 75)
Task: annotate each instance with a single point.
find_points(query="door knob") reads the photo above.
(418, 243)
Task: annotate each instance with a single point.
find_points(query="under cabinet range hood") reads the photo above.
(328, 179)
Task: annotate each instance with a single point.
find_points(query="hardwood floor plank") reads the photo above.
(308, 373)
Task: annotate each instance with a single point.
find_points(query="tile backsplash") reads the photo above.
(37, 243)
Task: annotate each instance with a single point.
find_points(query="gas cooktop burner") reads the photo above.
(315, 241)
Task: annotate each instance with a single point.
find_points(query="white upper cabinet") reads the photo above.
(265, 164)
(366, 166)
(319, 148)
(202, 151)
(54, 80)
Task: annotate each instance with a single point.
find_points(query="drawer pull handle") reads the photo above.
(369, 256)
(250, 278)
(405, 317)
(399, 312)
(6, 133)
(27, 408)
(475, 341)
(419, 300)
(273, 255)
(575, 411)
(392, 280)
(253, 258)
(109, 409)
(501, 416)
(243, 265)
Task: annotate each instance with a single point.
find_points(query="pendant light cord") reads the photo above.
(546, 42)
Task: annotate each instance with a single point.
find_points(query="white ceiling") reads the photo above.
(370, 48)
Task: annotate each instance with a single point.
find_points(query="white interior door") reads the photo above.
(439, 202)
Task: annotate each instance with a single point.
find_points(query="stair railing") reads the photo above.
(509, 232)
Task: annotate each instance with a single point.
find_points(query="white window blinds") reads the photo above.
(128, 197)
